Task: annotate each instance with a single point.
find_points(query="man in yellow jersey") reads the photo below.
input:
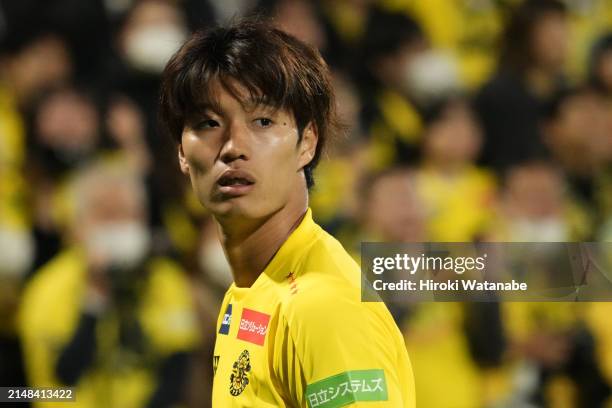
(250, 107)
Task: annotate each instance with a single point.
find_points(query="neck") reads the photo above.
(251, 244)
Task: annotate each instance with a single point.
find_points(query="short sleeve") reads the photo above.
(332, 350)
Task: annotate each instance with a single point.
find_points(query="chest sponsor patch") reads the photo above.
(227, 320)
(346, 388)
(253, 326)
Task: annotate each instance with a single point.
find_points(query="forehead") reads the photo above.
(222, 96)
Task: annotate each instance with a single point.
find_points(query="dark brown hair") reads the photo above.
(275, 68)
(516, 50)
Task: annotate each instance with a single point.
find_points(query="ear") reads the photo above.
(182, 160)
(308, 145)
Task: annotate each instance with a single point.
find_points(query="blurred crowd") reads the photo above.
(464, 121)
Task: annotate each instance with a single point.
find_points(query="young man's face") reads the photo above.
(245, 161)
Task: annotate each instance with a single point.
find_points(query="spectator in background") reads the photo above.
(103, 316)
(390, 45)
(391, 210)
(600, 78)
(467, 29)
(535, 207)
(68, 129)
(345, 23)
(65, 134)
(600, 65)
(151, 31)
(435, 335)
(549, 342)
(301, 19)
(578, 132)
(335, 198)
(65, 131)
(458, 196)
(30, 61)
(533, 52)
(554, 354)
(81, 24)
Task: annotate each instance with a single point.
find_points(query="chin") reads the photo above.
(239, 207)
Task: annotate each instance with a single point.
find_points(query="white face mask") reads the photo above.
(430, 76)
(540, 230)
(149, 48)
(120, 244)
(16, 252)
(213, 262)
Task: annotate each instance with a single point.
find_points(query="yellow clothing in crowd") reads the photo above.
(397, 124)
(440, 357)
(13, 212)
(51, 308)
(459, 208)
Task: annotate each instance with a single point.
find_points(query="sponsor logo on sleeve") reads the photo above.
(239, 378)
(253, 326)
(227, 320)
(346, 388)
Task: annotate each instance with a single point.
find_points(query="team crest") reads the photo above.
(240, 374)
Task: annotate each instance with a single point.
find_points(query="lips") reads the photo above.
(235, 182)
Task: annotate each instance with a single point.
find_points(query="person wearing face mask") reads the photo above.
(535, 206)
(550, 340)
(145, 38)
(105, 316)
(151, 36)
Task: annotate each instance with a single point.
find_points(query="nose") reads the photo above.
(236, 145)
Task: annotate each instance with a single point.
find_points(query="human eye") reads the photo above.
(264, 122)
(206, 124)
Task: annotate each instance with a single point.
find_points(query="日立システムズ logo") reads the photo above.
(346, 388)
(239, 378)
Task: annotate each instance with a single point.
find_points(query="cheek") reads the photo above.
(278, 154)
(277, 168)
(198, 155)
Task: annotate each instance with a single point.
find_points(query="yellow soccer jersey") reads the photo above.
(301, 337)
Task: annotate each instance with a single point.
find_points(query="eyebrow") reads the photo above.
(249, 105)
